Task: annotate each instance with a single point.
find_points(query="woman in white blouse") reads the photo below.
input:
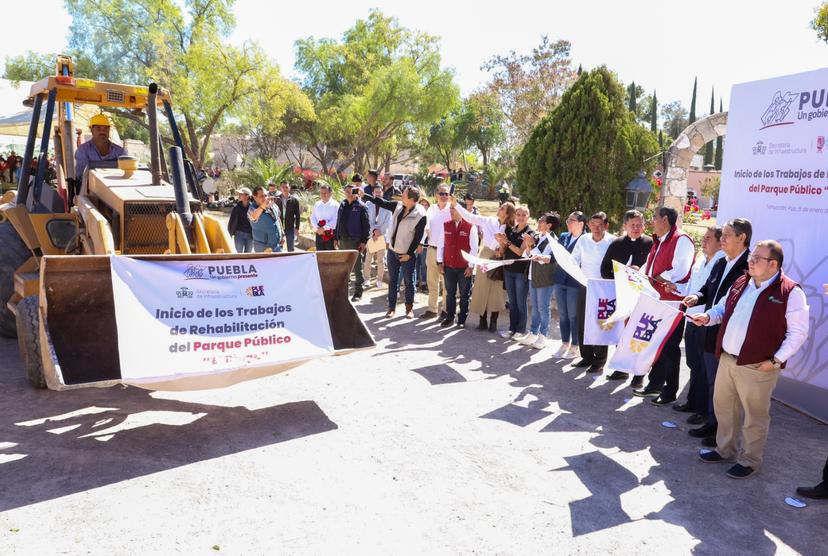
(487, 294)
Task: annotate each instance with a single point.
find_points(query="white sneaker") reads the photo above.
(507, 335)
(540, 343)
(561, 353)
(573, 352)
(527, 339)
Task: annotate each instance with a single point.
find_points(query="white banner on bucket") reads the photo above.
(600, 305)
(649, 326)
(187, 318)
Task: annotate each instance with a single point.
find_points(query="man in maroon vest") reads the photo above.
(458, 236)
(764, 321)
(669, 266)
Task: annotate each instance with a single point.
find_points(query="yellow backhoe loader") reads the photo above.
(56, 240)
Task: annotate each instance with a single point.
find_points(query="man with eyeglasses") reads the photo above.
(735, 243)
(764, 322)
(436, 217)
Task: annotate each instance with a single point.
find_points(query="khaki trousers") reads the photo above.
(436, 286)
(366, 268)
(742, 392)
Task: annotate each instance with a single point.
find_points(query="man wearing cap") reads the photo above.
(98, 148)
(239, 225)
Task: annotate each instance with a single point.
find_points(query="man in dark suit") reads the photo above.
(735, 241)
(291, 213)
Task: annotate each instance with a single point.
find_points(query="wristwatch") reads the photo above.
(777, 364)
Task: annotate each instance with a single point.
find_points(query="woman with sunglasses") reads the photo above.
(566, 289)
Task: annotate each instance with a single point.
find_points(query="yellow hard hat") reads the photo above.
(99, 119)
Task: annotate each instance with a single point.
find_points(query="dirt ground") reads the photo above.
(435, 442)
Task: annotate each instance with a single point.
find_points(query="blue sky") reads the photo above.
(659, 44)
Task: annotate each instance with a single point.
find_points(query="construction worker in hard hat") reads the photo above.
(98, 148)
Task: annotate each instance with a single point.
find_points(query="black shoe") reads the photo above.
(647, 393)
(596, 369)
(428, 315)
(663, 400)
(443, 315)
(447, 322)
(356, 297)
(684, 407)
(709, 441)
(696, 419)
(484, 325)
(713, 457)
(703, 432)
(583, 363)
(819, 492)
(637, 381)
(739, 471)
(618, 375)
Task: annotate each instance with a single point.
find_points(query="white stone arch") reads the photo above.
(681, 152)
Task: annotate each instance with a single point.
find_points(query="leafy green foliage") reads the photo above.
(820, 22)
(582, 155)
(482, 123)
(693, 102)
(264, 171)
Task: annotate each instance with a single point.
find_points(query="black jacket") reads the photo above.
(291, 212)
(715, 288)
(346, 210)
(238, 220)
(621, 249)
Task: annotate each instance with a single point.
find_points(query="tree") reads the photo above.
(674, 118)
(631, 94)
(182, 46)
(693, 102)
(445, 138)
(719, 144)
(584, 153)
(369, 87)
(481, 123)
(708, 149)
(530, 85)
(820, 22)
(710, 188)
(654, 114)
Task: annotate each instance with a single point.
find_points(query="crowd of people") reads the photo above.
(744, 317)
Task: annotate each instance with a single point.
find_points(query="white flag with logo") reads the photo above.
(600, 305)
(650, 324)
(567, 262)
(629, 285)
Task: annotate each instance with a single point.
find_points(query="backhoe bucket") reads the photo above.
(79, 335)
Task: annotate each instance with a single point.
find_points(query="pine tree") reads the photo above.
(582, 154)
(708, 149)
(631, 91)
(719, 144)
(661, 139)
(580, 69)
(654, 114)
(693, 102)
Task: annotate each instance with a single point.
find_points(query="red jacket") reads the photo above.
(455, 240)
(663, 261)
(768, 326)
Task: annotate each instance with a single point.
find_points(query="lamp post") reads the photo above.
(638, 192)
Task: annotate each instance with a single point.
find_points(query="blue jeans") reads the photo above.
(259, 247)
(454, 278)
(541, 298)
(420, 267)
(395, 268)
(244, 242)
(567, 298)
(517, 288)
(290, 236)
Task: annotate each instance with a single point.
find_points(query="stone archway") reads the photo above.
(680, 154)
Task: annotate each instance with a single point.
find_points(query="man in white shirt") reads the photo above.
(694, 335)
(323, 219)
(668, 267)
(589, 253)
(764, 322)
(438, 214)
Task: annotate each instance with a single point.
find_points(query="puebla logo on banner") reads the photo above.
(649, 326)
(600, 306)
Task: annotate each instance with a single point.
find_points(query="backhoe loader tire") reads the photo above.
(13, 253)
(28, 339)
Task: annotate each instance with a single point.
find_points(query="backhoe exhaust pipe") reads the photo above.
(182, 203)
(154, 138)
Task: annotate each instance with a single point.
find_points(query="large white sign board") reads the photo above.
(775, 174)
(177, 318)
